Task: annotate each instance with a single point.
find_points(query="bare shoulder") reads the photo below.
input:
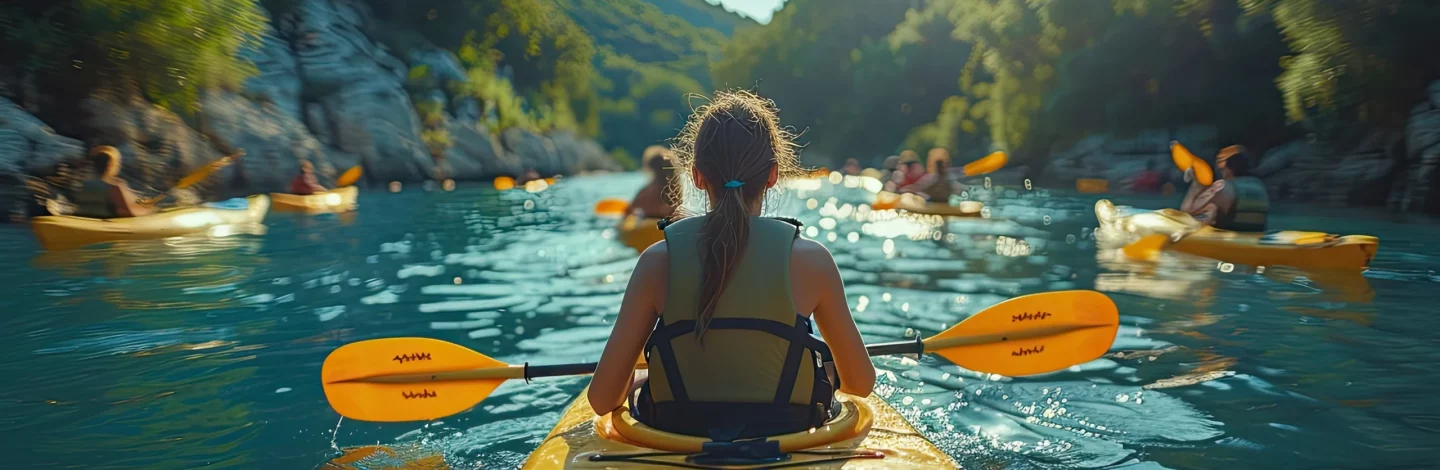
(657, 257)
(811, 256)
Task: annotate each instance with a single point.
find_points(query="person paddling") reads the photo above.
(909, 172)
(656, 199)
(722, 308)
(1238, 201)
(935, 185)
(105, 195)
(306, 183)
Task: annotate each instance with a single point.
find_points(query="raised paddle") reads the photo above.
(349, 177)
(611, 206)
(196, 177)
(1185, 160)
(988, 164)
(417, 379)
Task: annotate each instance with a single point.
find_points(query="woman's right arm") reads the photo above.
(638, 311)
(832, 315)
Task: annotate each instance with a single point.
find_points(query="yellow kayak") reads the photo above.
(1175, 230)
(1306, 250)
(639, 233)
(867, 434)
(329, 202)
(912, 203)
(61, 232)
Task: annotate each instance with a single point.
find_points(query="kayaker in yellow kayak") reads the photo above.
(713, 307)
(935, 185)
(306, 183)
(1238, 201)
(907, 174)
(105, 195)
(657, 199)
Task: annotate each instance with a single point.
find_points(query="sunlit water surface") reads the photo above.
(183, 354)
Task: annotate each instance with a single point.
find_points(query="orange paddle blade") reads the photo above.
(202, 173)
(1203, 174)
(1184, 160)
(1147, 248)
(1032, 334)
(349, 177)
(504, 183)
(355, 376)
(1181, 156)
(990, 163)
(611, 206)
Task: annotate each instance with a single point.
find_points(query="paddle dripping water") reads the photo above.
(207, 353)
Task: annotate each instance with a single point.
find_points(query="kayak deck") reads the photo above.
(333, 201)
(60, 232)
(639, 233)
(1347, 252)
(580, 434)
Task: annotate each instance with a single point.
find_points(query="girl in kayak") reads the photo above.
(657, 199)
(1238, 201)
(305, 183)
(722, 308)
(105, 195)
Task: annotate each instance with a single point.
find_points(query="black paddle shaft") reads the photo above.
(915, 346)
(580, 368)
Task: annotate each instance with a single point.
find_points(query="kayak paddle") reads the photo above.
(417, 379)
(611, 206)
(349, 177)
(988, 164)
(196, 177)
(1184, 160)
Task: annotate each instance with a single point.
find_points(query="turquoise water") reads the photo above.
(208, 352)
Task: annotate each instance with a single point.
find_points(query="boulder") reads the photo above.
(274, 141)
(157, 146)
(278, 79)
(28, 146)
(359, 87)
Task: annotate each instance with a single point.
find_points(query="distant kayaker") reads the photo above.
(851, 168)
(1148, 180)
(305, 183)
(530, 175)
(935, 185)
(105, 195)
(656, 199)
(907, 174)
(714, 306)
(1238, 201)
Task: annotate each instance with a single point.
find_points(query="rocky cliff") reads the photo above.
(1375, 168)
(326, 92)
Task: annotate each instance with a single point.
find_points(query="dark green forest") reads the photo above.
(860, 77)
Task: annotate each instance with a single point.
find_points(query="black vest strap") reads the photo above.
(799, 335)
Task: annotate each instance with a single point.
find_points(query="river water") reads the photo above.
(197, 353)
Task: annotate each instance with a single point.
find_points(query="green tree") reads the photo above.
(164, 50)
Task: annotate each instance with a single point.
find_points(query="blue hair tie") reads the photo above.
(734, 184)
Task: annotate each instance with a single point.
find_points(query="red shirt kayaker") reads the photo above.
(305, 183)
(701, 302)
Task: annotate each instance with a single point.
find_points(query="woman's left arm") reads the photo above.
(638, 311)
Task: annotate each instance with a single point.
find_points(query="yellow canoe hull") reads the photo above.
(865, 424)
(1347, 252)
(639, 233)
(63, 232)
(329, 202)
(912, 203)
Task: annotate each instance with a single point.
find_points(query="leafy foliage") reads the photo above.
(165, 50)
(1024, 74)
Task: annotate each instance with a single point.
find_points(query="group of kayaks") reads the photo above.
(60, 232)
(364, 381)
